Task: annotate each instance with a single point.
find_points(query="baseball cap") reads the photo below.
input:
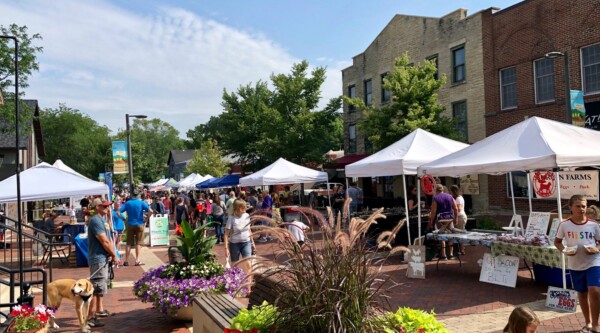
(100, 202)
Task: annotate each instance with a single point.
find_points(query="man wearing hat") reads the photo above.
(135, 209)
(100, 250)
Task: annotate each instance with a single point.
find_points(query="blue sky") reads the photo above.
(172, 59)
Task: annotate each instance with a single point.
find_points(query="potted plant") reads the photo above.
(171, 288)
(407, 320)
(28, 319)
(259, 319)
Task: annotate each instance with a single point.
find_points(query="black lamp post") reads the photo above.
(17, 162)
(554, 55)
(129, 159)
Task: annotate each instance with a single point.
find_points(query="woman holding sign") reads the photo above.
(582, 236)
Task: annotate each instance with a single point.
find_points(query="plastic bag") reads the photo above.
(227, 264)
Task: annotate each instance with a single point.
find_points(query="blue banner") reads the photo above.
(120, 158)
(577, 108)
(108, 180)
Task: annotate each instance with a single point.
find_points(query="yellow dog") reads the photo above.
(79, 291)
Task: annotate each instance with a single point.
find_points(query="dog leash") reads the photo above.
(98, 270)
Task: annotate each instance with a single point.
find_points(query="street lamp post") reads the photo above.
(554, 55)
(129, 159)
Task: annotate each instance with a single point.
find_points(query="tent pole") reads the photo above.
(564, 269)
(329, 195)
(529, 194)
(512, 194)
(419, 206)
(406, 208)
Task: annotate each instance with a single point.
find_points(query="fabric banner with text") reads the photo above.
(571, 183)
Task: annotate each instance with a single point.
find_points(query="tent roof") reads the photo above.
(535, 143)
(43, 182)
(187, 180)
(283, 171)
(227, 180)
(62, 166)
(405, 155)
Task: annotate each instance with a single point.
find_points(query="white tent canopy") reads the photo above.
(158, 183)
(44, 181)
(535, 143)
(187, 180)
(283, 172)
(199, 180)
(61, 165)
(404, 156)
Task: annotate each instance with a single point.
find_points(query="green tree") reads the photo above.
(208, 160)
(76, 139)
(151, 142)
(260, 124)
(27, 65)
(414, 105)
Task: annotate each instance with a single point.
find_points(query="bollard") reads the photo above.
(27, 298)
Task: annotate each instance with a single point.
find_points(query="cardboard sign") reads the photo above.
(561, 299)
(553, 229)
(469, 184)
(159, 230)
(537, 225)
(416, 262)
(500, 270)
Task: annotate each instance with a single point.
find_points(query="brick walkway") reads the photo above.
(454, 293)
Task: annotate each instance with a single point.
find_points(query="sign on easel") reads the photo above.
(159, 230)
(515, 226)
(500, 270)
(537, 225)
(561, 299)
(416, 262)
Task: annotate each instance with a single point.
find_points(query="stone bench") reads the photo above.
(213, 313)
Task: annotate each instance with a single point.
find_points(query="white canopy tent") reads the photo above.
(535, 143)
(199, 180)
(158, 183)
(403, 157)
(62, 166)
(282, 172)
(187, 180)
(44, 181)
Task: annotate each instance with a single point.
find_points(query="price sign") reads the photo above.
(561, 299)
(501, 270)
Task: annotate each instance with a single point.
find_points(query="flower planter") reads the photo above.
(183, 314)
(43, 329)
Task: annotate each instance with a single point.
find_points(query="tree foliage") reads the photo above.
(151, 142)
(27, 57)
(414, 105)
(208, 160)
(75, 138)
(260, 124)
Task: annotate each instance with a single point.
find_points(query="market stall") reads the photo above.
(533, 144)
(402, 158)
(227, 180)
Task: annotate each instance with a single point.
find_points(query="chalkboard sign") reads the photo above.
(501, 270)
(537, 225)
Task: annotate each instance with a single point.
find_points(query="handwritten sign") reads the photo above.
(537, 225)
(416, 262)
(553, 229)
(500, 270)
(469, 184)
(561, 299)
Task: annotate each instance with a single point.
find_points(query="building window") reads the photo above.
(520, 187)
(434, 59)
(459, 113)
(352, 139)
(508, 88)
(590, 68)
(544, 80)
(368, 92)
(368, 146)
(351, 94)
(386, 95)
(459, 73)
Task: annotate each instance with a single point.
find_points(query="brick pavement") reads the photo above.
(455, 294)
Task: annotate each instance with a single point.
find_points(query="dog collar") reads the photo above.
(85, 298)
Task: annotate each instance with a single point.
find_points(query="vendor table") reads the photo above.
(73, 230)
(81, 249)
(472, 238)
(544, 255)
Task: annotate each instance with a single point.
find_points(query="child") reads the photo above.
(582, 234)
(295, 227)
(522, 320)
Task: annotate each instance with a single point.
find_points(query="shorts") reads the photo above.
(461, 222)
(587, 278)
(100, 278)
(136, 231)
(235, 249)
(119, 232)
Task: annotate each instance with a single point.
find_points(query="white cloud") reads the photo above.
(168, 63)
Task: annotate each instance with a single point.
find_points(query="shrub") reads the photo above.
(407, 320)
(260, 319)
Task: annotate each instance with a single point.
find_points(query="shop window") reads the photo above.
(434, 59)
(508, 88)
(544, 80)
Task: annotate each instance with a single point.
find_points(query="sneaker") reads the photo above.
(104, 313)
(262, 240)
(94, 322)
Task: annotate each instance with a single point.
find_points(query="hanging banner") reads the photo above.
(120, 158)
(469, 184)
(577, 108)
(109, 181)
(571, 183)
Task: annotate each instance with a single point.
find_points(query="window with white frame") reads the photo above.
(352, 139)
(508, 88)
(590, 68)
(544, 80)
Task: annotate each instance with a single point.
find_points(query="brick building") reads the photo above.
(455, 43)
(521, 82)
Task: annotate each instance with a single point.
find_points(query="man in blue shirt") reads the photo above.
(100, 248)
(135, 209)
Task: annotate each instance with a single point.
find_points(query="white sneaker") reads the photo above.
(262, 240)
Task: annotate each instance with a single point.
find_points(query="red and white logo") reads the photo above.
(544, 183)
(427, 183)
